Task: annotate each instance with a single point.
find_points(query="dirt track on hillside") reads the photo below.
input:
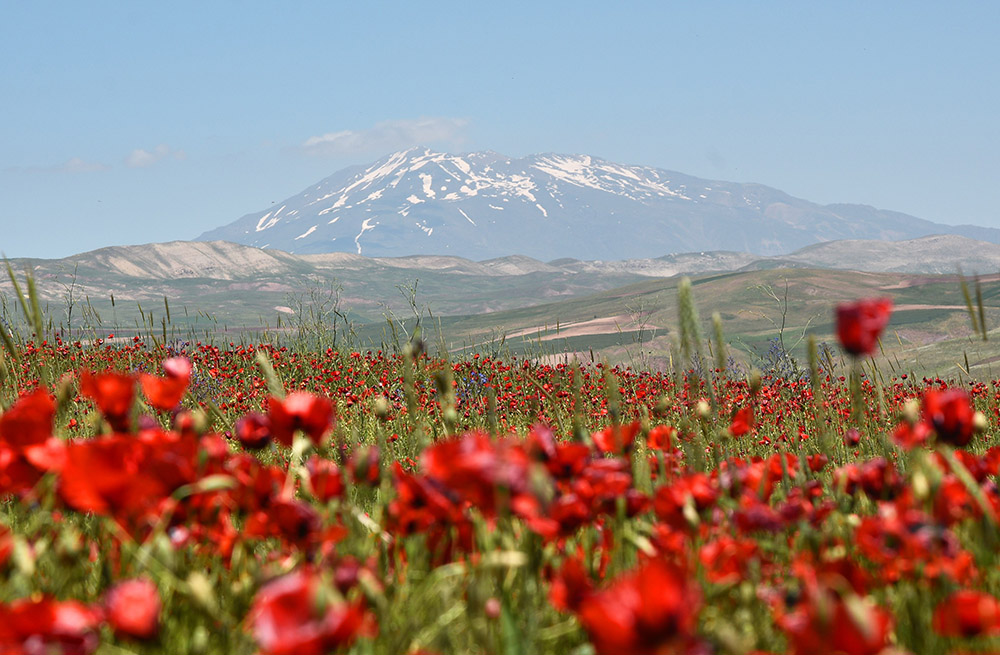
(608, 325)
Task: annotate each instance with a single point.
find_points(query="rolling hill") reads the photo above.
(623, 310)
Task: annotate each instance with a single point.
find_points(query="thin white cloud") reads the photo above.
(77, 165)
(140, 158)
(388, 135)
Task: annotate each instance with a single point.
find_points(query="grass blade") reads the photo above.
(982, 314)
(968, 303)
(17, 290)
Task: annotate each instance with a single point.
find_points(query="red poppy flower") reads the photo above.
(860, 323)
(253, 431)
(48, 626)
(615, 439)
(817, 462)
(837, 622)
(114, 393)
(967, 613)
(292, 615)
(27, 447)
(742, 422)
(365, 465)
(165, 393)
(951, 414)
(124, 476)
(570, 586)
(661, 437)
(325, 479)
(650, 611)
(727, 560)
(484, 472)
(29, 421)
(292, 520)
(697, 489)
(133, 608)
(300, 410)
(907, 435)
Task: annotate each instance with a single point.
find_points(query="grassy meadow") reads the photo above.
(456, 487)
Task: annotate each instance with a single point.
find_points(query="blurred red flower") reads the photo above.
(294, 615)
(253, 431)
(293, 520)
(48, 626)
(133, 608)
(489, 474)
(951, 414)
(616, 439)
(833, 622)
(907, 435)
(325, 479)
(114, 393)
(727, 560)
(29, 421)
(967, 613)
(6, 545)
(125, 476)
(300, 410)
(742, 422)
(570, 586)
(27, 447)
(860, 323)
(661, 437)
(652, 610)
(166, 392)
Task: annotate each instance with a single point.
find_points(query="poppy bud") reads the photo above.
(381, 408)
(201, 589)
(663, 406)
(910, 411)
(980, 422)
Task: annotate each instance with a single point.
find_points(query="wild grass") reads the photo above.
(836, 507)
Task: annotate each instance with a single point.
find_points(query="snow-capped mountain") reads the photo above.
(482, 205)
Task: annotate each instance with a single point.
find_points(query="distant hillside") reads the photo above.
(224, 284)
(930, 332)
(240, 285)
(618, 309)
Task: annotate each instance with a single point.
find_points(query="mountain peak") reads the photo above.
(485, 205)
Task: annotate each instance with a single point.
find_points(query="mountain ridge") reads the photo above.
(483, 205)
(224, 260)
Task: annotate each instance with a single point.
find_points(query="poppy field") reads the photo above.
(256, 498)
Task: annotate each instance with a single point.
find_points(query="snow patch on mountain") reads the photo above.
(261, 225)
(365, 226)
(462, 212)
(306, 233)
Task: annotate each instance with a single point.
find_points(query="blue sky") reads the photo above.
(134, 122)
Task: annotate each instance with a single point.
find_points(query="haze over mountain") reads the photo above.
(484, 205)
